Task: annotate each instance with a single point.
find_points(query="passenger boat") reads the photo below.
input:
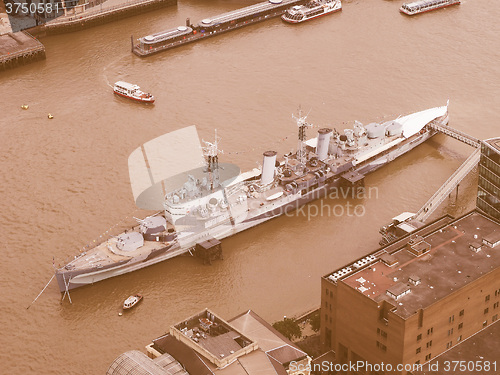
(423, 6)
(310, 10)
(197, 199)
(132, 301)
(131, 91)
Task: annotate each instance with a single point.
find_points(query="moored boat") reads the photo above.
(131, 91)
(132, 301)
(200, 200)
(423, 6)
(310, 10)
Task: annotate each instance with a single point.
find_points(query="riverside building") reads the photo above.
(488, 193)
(205, 344)
(408, 302)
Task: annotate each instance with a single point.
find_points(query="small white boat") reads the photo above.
(131, 91)
(423, 6)
(132, 301)
(312, 9)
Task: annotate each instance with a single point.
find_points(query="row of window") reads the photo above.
(495, 156)
(488, 174)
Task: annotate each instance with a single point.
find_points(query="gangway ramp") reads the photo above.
(457, 134)
(449, 185)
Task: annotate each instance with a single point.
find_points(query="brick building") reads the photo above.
(488, 192)
(416, 298)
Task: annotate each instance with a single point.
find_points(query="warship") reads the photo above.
(198, 199)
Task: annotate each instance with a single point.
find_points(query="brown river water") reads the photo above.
(64, 182)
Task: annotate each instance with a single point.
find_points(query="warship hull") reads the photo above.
(69, 279)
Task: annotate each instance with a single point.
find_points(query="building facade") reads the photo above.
(406, 303)
(206, 344)
(488, 193)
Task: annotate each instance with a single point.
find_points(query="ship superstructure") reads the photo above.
(199, 198)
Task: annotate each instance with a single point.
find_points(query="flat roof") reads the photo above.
(494, 143)
(273, 353)
(448, 266)
(246, 11)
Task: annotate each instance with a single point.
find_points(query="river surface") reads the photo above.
(64, 182)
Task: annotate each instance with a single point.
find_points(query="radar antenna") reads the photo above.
(211, 151)
(302, 125)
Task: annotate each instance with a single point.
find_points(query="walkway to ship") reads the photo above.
(445, 190)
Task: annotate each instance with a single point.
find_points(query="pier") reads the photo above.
(78, 19)
(447, 188)
(18, 49)
(408, 222)
(455, 179)
(215, 25)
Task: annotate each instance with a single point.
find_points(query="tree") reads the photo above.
(289, 328)
(315, 321)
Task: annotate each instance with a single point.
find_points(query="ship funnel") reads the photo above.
(268, 167)
(324, 136)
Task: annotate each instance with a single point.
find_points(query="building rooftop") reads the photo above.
(213, 338)
(267, 353)
(494, 143)
(427, 265)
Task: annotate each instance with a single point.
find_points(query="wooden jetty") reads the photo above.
(18, 49)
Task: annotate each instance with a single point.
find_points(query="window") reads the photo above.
(487, 298)
(449, 345)
(430, 330)
(497, 292)
(451, 319)
(428, 356)
(381, 332)
(381, 346)
(326, 292)
(450, 332)
(460, 326)
(418, 362)
(494, 317)
(495, 305)
(419, 349)
(459, 338)
(326, 304)
(462, 312)
(419, 337)
(486, 311)
(485, 323)
(429, 344)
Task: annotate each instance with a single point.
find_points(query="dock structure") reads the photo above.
(408, 222)
(18, 49)
(77, 19)
(447, 188)
(209, 250)
(457, 134)
(215, 25)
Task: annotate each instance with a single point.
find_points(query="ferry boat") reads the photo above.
(132, 301)
(131, 91)
(423, 6)
(198, 200)
(310, 10)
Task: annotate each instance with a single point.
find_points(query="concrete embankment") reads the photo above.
(18, 49)
(78, 19)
